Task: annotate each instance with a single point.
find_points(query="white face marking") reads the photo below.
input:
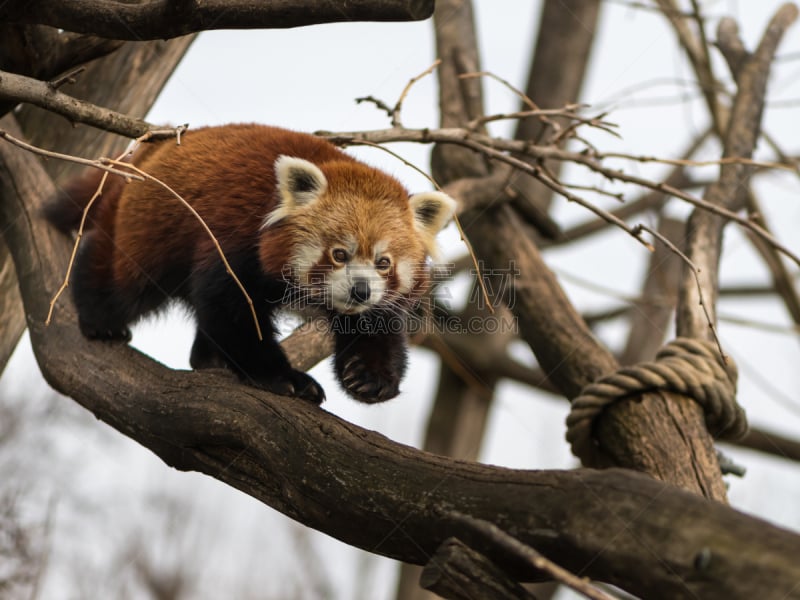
(305, 256)
(405, 276)
(341, 282)
(381, 246)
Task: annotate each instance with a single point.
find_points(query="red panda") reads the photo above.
(303, 225)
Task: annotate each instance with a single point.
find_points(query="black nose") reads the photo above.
(360, 291)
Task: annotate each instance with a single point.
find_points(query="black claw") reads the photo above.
(367, 388)
(296, 384)
(105, 334)
(312, 393)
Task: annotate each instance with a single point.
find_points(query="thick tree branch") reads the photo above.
(105, 81)
(704, 229)
(165, 19)
(12, 323)
(642, 435)
(732, 48)
(456, 572)
(44, 52)
(613, 525)
(18, 88)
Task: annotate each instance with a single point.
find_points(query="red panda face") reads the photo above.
(348, 238)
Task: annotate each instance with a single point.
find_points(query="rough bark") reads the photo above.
(44, 52)
(363, 489)
(658, 433)
(129, 81)
(164, 19)
(12, 323)
(18, 88)
(106, 82)
(457, 572)
(457, 405)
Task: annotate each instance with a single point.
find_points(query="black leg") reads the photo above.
(371, 357)
(103, 312)
(227, 333)
(205, 354)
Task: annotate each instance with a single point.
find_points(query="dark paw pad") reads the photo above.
(297, 384)
(367, 385)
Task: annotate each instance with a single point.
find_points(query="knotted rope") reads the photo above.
(685, 366)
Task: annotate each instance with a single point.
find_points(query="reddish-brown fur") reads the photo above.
(144, 246)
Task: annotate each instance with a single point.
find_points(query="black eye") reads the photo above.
(339, 255)
(383, 263)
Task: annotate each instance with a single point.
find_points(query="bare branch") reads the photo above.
(164, 19)
(107, 81)
(500, 149)
(87, 162)
(705, 229)
(500, 538)
(17, 88)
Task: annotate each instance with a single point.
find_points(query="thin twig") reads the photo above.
(618, 196)
(726, 160)
(377, 102)
(395, 114)
(647, 7)
(68, 77)
(94, 163)
(534, 558)
(554, 185)
(79, 235)
(516, 91)
(595, 122)
(696, 272)
(498, 147)
(522, 95)
(158, 133)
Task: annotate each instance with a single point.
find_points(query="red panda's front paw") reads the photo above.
(295, 383)
(368, 385)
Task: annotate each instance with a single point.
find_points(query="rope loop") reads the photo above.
(684, 366)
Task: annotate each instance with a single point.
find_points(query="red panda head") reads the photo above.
(349, 236)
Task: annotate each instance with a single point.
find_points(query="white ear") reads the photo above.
(300, 183)
(432, 211)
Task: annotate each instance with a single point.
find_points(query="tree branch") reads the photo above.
(105, 81)
(164, 19)
(704, 229)
(18, 88)
(563, 48)
(44, 52)
(502, 149)
(363, 489)
(457, 572)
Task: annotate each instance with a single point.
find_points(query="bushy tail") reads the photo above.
(66, 208)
